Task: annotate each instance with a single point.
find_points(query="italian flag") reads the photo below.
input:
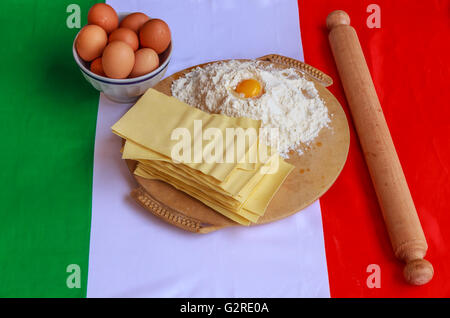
(68, 227)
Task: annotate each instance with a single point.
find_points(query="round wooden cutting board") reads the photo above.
(315, 171)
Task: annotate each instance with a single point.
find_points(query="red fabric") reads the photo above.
(408, 60)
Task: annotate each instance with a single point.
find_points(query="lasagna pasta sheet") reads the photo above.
(152, 120)
(239, 190)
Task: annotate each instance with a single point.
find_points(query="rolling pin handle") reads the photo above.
(418, 271)
(337, 18)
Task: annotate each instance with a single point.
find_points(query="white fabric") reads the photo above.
(134, 254)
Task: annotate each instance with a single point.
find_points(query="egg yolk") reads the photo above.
(249, 88)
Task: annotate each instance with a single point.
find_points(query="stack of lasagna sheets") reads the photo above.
(159, 126)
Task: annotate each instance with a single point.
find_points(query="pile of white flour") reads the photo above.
(289, 102)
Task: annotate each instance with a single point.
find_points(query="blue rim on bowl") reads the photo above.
(167, 54)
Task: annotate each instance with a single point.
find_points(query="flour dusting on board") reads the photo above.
(288, 101)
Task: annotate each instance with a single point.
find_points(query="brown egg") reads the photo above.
(145, 61)
(155, 34)
(118, 59)
(125, 35)
(90, 42)
(103, 15)
(97, 67)
(134, 21)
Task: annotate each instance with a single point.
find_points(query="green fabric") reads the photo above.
(47, 122)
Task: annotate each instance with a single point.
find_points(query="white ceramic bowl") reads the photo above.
(126, 90)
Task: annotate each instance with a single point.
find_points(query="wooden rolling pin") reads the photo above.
(399, 213)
